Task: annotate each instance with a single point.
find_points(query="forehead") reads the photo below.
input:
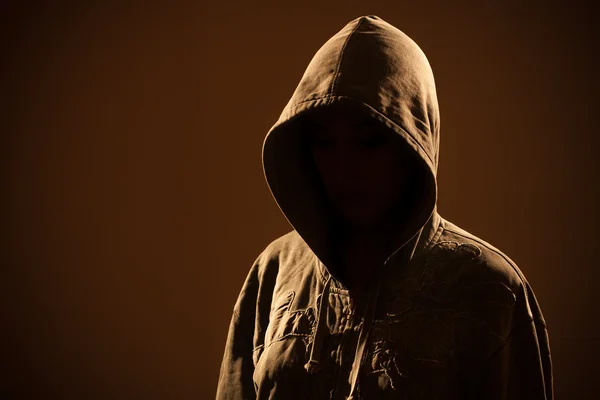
(333, 119)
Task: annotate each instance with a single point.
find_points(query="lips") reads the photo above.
(351, 196)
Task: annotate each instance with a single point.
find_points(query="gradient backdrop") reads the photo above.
(134, 200)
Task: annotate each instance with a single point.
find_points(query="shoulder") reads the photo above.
(487, 261)
(266, 269)
(287, 250)
(486, 284)
(290, 242)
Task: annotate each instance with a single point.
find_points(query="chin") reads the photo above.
(356, 219)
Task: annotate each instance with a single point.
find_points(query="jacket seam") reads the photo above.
(287, 335)
(321, 268)
(336, 73)
(258, 347)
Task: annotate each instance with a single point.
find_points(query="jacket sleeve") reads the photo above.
(521, 368)
(245, 336)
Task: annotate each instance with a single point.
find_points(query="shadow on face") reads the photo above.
(365, 169)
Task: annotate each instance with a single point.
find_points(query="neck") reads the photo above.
(373, 240)
(376, 231)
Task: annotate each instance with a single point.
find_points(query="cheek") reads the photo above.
(382, 166)
(325, 171)
(380, 172)
(324, 165)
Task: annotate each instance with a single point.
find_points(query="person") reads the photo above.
(373, 294)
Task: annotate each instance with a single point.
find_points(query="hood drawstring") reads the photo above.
(363, 337)
(367, 323)
(312, 366)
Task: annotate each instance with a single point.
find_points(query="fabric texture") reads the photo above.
(448, 315)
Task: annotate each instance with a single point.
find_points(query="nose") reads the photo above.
(347, 165)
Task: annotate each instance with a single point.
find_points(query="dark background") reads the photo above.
(134, 200)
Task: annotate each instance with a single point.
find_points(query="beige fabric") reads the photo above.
(450, 316)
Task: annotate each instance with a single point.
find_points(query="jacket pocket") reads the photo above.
(284, 353)
(285, 322)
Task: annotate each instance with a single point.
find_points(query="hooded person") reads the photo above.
(373, 295)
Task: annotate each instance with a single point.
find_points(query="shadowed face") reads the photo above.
(364, 169)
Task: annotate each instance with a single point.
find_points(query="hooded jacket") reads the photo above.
(447, 316)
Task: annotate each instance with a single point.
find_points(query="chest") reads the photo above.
(408, 349)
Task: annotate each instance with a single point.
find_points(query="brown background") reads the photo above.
(134, 200)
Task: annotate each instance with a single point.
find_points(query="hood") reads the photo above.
(372, 68)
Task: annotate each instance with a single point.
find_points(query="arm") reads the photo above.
(235, 377)
(521, 368)
(246, 331)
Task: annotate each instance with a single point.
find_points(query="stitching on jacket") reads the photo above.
(291, 334)
(321, 268)
(289, 322)
(383, 360)
(282, 302)
(258, 348)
